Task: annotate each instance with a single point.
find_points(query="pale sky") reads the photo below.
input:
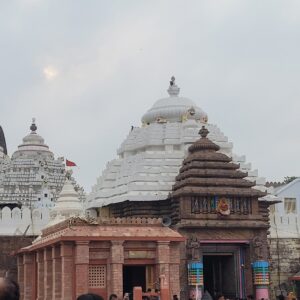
(88, 70)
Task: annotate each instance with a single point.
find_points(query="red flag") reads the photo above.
(70, 163)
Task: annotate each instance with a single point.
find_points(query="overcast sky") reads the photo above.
(88, 70)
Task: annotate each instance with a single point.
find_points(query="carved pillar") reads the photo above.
(163, 260)
(82, 267)
(163, 268)
(21, 275)
(29, 274)
(67, 271)
(56, 278)
(117, 261)
(40, 275)
(175, 269)
(261, 279)
(195, 268)
(48, 274)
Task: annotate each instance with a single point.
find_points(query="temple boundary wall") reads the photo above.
(284, 225)
(25, 221)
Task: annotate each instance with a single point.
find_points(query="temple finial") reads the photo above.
(33, 127)
(203, 132)
(173, 89)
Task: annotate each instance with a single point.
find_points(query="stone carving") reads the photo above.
(193, 248)
(163, 281)
(260, 248)
(257, 247)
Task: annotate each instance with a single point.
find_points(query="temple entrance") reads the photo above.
(220, 274)
(133, 276)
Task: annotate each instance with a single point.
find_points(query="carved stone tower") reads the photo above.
(220, 214)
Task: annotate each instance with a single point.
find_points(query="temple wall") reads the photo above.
(23, 221)
(284, 242)
(284, 225)
(9, 244)
(285, 262)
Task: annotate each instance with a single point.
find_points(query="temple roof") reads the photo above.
(2, 141)
(32, 145)
(208, 172)
(129, 229)
(68, 203)
(32, 175)
(150, 157)
(173, 108)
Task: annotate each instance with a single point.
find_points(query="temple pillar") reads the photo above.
(261, 279)
(21, 275)
(163, 260)
(117, 261)
(29, 274)
(195, 279)
(175, 270)
(40, 275)
(47, 273)
(82, 267)
(163, 268)
(67, 271)
(56, 271)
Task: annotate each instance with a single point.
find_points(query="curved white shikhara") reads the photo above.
(150, 159)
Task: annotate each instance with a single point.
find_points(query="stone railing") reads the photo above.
(284, 225)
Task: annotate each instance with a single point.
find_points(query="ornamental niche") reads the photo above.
(221, 205)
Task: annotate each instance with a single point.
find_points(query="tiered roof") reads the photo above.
(207, 172)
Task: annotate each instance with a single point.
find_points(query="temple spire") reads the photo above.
(33, 127)
(2, 141)
(173, 89)
(203, 132)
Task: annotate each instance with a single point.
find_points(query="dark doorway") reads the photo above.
(220, 275)
(133, 276)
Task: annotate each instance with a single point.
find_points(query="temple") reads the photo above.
(173, 205)
(150, 157)
(32, 178)
(30, 182)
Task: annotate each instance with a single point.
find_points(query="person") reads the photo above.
(220, 297)
(9, 289)
(175, 297)
(291, 296)
(281, 297)
(89, 297)
(113, 297)
(206, 296)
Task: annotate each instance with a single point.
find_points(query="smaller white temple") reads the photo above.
(68, 203)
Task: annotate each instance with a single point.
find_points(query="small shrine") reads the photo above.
(224, 222)
(81, 255)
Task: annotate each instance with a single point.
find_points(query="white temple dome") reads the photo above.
(32, 144)
(151, 156)
(173, 108)
(33, 139)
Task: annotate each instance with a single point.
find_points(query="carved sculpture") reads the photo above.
(193, 247)
(260, 248)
